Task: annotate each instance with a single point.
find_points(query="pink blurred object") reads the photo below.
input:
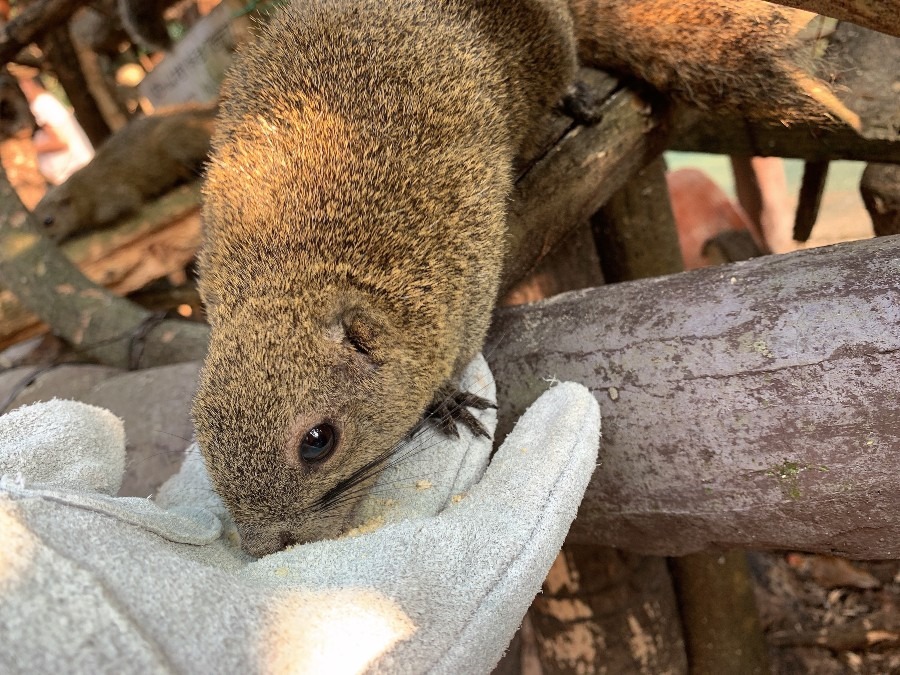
(702, 211)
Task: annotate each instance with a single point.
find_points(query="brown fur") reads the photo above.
(357, 196)
(142, 160)
(739, 56)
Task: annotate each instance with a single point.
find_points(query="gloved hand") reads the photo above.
(91, 582)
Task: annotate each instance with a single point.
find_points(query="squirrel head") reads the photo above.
(300, 404)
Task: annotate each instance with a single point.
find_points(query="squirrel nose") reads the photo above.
(259, 541)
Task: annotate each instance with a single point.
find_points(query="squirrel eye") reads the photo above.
(48, 221)
(318, 442)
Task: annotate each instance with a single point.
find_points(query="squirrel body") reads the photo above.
(354, 216)
(142, 160)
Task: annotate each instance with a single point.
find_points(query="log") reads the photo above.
(750, 406)
(157, 242)
(576, 176)
(32, 22)
(725, 135)
(99, 324)
(880, 15)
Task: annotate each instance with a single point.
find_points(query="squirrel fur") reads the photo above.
(354, 217)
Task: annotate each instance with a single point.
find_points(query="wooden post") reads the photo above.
(635, 230)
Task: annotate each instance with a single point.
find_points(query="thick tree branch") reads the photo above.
(35, 20)
(752, 405)
(113, 330)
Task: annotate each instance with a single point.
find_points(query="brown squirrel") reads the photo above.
(142, 160)
(355, 211)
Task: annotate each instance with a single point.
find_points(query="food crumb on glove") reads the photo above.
(369, 526)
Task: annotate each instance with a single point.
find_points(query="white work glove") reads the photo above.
(95, 583)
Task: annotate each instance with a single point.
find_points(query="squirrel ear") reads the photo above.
(360, 331)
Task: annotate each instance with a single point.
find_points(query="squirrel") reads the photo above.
(142, 160)
(354, 212)
(354, 216)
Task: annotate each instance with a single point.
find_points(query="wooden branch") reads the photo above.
(32, 22)
(568, 184)
(752, 405)
(880, 15)
(114, 331)
(736, 136)
(159, 241)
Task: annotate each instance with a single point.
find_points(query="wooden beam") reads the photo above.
(32, 22)
(576, 176)
(735, 136)
(880, 15)
(752, 405)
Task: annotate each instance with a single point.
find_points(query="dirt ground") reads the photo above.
(826, 615)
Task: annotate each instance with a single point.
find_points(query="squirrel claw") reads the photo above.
(449, 410)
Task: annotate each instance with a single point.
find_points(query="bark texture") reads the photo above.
(752, 405)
